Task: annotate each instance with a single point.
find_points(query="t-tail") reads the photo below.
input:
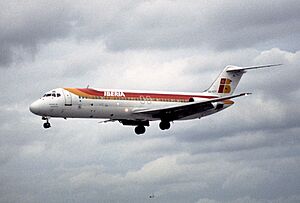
(229, 78)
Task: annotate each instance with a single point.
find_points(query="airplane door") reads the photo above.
(68, 98)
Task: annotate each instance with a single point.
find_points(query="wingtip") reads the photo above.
(278, 64)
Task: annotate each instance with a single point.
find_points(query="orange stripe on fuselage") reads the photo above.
(92, 92)
(77, 92)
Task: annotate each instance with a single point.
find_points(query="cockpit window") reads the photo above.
(53, 95)
(47, 95)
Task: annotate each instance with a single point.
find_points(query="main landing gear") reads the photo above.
(140, 129)
(140, 125)
(47, 124)
(164, 125)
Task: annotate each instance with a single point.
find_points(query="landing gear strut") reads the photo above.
(164, 125)
(140, 129)
(47, 124)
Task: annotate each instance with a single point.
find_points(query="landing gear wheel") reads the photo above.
(140, 129)
(47, 125)
(164, 125)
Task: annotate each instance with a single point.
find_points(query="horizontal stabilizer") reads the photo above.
(236, 68)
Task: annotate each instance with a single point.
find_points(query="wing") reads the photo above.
(181, 111)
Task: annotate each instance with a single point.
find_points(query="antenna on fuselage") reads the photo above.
(87, 87)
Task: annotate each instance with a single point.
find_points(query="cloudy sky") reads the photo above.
(247, 153)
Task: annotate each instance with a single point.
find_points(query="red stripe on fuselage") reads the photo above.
(94, 92)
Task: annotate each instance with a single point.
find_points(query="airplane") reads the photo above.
(138, 108)
(151, 196)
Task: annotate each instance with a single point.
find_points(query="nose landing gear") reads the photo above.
(47, 124)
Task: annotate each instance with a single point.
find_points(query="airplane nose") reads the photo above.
(34, 107)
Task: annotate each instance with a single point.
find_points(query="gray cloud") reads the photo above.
(211, 158)
(214, 24)
(25, 25)
(133, 25)
(248, 153)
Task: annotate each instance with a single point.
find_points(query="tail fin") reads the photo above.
(229, 78)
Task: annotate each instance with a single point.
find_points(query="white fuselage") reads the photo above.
(112, 104)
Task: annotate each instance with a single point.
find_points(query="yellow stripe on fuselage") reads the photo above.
(77, 92)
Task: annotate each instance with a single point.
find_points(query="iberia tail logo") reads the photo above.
(225, 85)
